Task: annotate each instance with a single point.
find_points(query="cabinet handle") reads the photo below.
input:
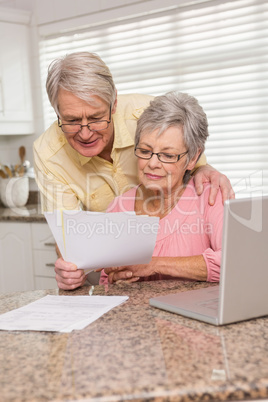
(50, 244)
(50, 264)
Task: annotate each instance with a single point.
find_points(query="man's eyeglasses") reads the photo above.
(73, 128)
(162, 156)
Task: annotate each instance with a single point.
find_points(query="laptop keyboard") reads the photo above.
(213, 304)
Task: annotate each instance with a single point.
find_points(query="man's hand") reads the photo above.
(207, 174)
(68, 277)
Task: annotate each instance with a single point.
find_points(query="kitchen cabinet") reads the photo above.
(16, 111)
(16, 263)
(27, 257)
(44, 256)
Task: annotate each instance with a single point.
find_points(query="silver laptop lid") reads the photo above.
(244, 267)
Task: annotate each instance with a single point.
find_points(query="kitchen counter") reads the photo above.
(29, 213)
(134, 352)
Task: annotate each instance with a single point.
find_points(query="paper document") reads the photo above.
(59, 313)
(98, 240)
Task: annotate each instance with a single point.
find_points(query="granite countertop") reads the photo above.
(134, 352)
(29, 213)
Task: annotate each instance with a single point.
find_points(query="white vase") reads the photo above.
(14, 191)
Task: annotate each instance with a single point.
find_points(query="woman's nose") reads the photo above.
(154, 161)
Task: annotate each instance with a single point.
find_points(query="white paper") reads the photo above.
(59, 313)
(94, 240)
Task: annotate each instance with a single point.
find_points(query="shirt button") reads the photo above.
(92, 196)
(115, 170)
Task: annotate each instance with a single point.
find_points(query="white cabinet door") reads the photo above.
(44, 256)
(16, 265)
(16, 112)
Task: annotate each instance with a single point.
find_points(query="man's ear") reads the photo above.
(114, 105)
(193, 161)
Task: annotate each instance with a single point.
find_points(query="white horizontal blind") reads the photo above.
(216, 51)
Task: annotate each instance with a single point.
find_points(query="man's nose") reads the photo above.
(85, 131)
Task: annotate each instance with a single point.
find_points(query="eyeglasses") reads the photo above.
(73, 128)
(162, 156)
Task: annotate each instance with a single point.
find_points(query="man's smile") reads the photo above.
(88, 143)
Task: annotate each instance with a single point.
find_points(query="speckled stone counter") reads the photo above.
(134, 352)
(29, 213)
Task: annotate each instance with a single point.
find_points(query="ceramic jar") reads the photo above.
(14, 191)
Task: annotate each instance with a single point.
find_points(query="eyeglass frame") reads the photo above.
(85, 125)
(179, 156)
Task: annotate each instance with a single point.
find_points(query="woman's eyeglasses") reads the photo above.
(162, 156)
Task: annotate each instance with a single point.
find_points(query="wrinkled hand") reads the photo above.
(68, 277)
(207, 174)
(129, 273)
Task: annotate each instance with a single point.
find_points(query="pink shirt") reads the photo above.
(193, 227)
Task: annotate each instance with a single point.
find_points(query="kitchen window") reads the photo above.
(216, 51)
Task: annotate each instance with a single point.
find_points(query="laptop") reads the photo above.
(243, 290)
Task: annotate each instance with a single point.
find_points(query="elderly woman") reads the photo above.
(170, 136)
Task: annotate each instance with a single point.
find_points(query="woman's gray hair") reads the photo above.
(83, 74)
(176, 109)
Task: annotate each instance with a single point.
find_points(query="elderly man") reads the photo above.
(86, 158)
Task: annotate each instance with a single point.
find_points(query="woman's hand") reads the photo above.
(68, 277)
(207, 174)
(129, 273)
(190, 268)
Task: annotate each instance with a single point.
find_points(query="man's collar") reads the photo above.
(83, 159)
(124, 139)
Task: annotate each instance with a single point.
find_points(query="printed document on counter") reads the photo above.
(59, 313)
(94, 240)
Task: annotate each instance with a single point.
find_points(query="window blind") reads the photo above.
(216, 51)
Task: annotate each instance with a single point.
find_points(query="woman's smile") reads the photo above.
(152, 176)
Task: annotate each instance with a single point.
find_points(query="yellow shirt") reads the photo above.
(69, 180)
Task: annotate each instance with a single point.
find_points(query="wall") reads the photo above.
(51, 16)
